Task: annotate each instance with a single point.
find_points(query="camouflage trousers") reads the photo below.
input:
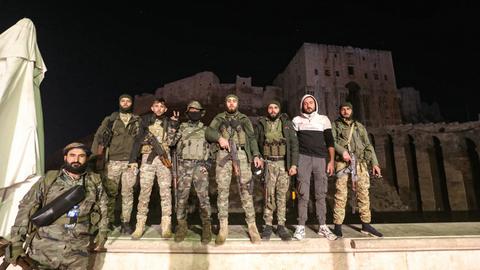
(69, 253)
(224, 177)
(341, 194)
(164, 180)
(192, 171)
(277, 182)
(117, 171)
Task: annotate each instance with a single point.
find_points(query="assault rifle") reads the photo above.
(157, 150)
(103, 144)
(353, 174)
(175, 175)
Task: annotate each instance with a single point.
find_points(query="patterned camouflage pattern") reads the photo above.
(164, 180)
(341, 195)
(117, 171)
(55, 246)
(192, 171)
(277, 183)
(224, 177)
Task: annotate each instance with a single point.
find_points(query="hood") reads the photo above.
(301, 102)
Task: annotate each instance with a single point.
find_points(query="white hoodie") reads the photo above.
(314, 131)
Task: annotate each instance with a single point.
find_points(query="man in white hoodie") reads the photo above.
(316, 147)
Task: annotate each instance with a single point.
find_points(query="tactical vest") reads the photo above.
(232, 128)
(275, 143)
(159, 132)
(193, 144)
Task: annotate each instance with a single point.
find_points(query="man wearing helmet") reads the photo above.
(192, 151)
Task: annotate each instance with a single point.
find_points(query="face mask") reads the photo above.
(194, 116)
(77, 169)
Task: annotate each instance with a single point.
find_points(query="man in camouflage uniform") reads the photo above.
(114, 141)
(278, 144)
(351, 141)
(235, 127)
(64, 243)
(193, 152)
(153, 141)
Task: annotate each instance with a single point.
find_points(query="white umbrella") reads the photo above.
(21, 122)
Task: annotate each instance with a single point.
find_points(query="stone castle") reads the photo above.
(426, 166)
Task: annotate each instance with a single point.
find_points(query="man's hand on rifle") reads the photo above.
(224, 143)
(258, 162)
(293, 170)
(175, 116)
(376, 171)
(346, 156)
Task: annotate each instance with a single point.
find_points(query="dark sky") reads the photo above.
(94, 54)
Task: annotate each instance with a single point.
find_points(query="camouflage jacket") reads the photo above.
(93, 209)
(359, 143)
(123, 136)
(212, 133)
(289, 134)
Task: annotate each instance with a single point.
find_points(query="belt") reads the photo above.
(275, 158)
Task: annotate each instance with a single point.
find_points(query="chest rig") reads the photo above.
(275, 143)
(193, 145)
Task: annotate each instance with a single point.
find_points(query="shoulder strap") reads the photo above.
(350, 136)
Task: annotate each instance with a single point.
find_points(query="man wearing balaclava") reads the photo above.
(112, 145)
(353, 147)
(233, 133)
(317, 151)
(60, 237)
(278, 143)
(193, 154)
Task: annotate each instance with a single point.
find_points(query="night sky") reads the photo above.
(93, 54)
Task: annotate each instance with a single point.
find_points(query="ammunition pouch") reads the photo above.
(59, 206)
(275, 148)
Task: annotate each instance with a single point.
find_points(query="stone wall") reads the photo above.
(334, 74)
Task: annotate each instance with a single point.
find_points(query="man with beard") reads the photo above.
(317, 151)
(62, 244)
(113, 143)
(351, 140)
(227, 129)
(193, 153)
(153, 141)
(278, 144)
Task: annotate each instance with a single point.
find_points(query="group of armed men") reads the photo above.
(309, 147)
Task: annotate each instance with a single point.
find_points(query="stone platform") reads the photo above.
(404, 246)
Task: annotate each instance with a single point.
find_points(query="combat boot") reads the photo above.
(253, 232)
(368, 229)
(267, 232)
(338, 230)
(137, 234)
(206, 232)
(126, 229)
(223, 233)
(166, 227)
(181, 232)
(283, 233)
